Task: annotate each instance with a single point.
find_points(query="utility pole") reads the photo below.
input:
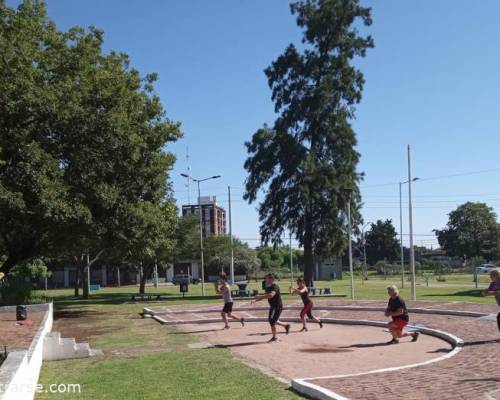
(156, 275)
(231, 269)
(198, 181)
(401, 237)
(412, 250)
(351, 271)
(291, 256)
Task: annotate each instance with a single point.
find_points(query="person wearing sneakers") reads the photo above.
(396, 308)
(302, 291)
(273, 296)
(494, 290)
(225, 291)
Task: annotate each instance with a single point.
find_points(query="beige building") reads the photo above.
(213, 216)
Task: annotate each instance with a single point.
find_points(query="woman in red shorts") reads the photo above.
(302, 291)
(396, 308)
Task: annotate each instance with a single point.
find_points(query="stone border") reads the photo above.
(20, 371)
(458, 313)
(304, 386)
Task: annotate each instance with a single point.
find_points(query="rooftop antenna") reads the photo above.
(188, 174)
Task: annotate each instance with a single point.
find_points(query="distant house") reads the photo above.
(328, 269)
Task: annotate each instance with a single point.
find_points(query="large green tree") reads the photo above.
(306, 162)
(82, 140)
(472, 231)
(382, 242)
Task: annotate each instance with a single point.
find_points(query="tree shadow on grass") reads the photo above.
(60, 314)
(463, 293)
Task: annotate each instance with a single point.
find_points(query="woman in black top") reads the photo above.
(302, 291)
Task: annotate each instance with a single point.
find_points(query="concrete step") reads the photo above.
(57, 348)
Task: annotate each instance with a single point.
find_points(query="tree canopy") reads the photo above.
(306, 162)
(83, 162)
(382, 242)
(472, 231)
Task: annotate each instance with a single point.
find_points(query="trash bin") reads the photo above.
(21, 313)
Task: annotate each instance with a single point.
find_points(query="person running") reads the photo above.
(494, 290)
(225, 291)
(303, 292)
(273, 296)
(396, 308)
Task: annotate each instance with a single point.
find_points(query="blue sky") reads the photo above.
(432, 81)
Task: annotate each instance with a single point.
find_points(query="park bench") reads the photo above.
(145, 296)
(321, 291)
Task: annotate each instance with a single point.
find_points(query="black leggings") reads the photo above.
(498, 321)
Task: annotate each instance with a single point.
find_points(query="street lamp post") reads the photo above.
(363, 236)
(198, 181)
(351, 271)
(410, 218)
(401, 232)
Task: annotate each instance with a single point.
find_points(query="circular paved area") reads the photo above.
(473, 373)
(335, 349)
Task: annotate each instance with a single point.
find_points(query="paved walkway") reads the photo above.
(474, 373)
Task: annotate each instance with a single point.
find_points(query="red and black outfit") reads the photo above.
(308, 305)
(396, 304)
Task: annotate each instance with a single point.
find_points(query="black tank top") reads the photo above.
(305, 297)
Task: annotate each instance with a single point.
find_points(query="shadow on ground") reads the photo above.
(472, 293)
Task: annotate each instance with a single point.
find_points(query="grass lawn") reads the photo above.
(145, 360)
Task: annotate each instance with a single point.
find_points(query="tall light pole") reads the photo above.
(363, 237)
(401, 232)
(291, 256)
(231, 267)
(198, 181)
(410, 218)
(351, 271)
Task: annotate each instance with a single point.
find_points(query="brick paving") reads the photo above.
(474, 373)
(18, 337)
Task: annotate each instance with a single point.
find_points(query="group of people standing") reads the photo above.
(396, 307)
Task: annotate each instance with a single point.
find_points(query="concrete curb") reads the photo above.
(431, 311)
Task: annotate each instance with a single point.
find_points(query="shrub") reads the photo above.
(16, 287)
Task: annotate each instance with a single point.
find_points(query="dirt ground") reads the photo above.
(15, 336)
(333, 350)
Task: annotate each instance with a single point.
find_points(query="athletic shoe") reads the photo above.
(287, 328)
(393, 341)
(273, 339)
(226, 327)
(243, 322)
(415, 336)
(303, 330)
(320, 324)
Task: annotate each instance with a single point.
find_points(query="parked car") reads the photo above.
(181, 278)
(485, 268)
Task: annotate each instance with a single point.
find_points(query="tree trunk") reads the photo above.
(308, 251)
(85, 288)
(142, 284)
(78, 272)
